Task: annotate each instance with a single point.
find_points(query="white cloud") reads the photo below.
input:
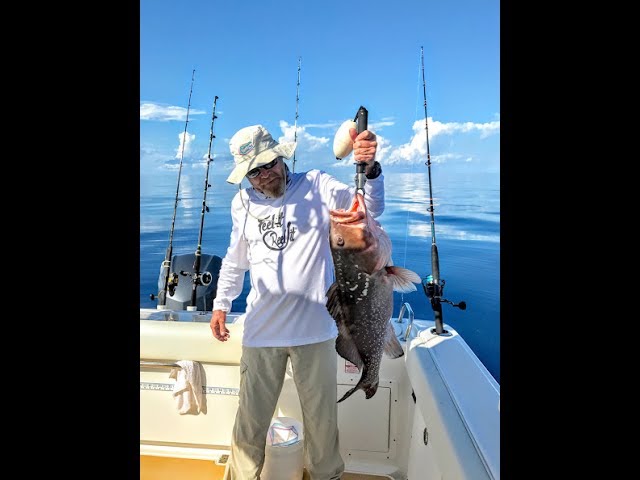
(456, 142)
(321, 125)
(312, 150)
(306, 141)
(374, 127)
(416, 149)
(187, 144)
(152, 158)
(438, 128)
(165, 113)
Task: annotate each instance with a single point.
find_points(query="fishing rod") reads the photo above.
(203, 278)
(432, 284)
(295, 123)
(170, 279)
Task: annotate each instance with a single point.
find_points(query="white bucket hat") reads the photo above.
(252, 147)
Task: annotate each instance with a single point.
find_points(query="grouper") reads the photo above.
(361, 298)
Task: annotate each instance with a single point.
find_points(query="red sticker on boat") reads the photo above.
(350, 367)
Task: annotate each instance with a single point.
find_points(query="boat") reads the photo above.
(436, 414)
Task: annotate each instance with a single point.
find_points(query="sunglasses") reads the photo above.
(254, 172)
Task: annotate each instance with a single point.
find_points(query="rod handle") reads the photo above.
(362, 119)
(435, 263)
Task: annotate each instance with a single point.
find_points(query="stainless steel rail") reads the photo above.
(406, 306)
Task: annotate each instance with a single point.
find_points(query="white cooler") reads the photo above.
(284, 451)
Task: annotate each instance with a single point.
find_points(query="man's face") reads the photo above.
(270, 181)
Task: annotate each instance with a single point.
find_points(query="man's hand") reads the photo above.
(217, 324)
(364, 145)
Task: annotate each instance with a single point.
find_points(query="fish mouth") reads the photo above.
(350, 228)
(355, 215)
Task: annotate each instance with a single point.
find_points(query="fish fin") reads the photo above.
(392, 346)
(334, 305)
(345, 346)
(348, 350)
(402, 278)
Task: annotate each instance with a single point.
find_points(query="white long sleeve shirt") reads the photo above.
(284, 243)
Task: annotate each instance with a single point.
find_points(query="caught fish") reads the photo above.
(361, 298)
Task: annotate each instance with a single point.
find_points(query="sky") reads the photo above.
(267, 60)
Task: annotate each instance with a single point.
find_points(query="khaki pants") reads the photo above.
(262, 372)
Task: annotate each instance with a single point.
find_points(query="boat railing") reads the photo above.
(407, 307)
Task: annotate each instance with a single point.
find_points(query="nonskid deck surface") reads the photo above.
(352, 476)
(167, 468)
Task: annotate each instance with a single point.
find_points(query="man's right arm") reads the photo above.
(231, 276)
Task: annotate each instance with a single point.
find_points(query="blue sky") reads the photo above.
(351, 53)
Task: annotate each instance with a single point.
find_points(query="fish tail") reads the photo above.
(348, 394)
(369, 389)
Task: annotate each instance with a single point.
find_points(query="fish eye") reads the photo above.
(339, 240)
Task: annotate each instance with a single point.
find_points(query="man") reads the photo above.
(280, 234)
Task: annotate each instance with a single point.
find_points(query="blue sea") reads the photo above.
(467, 233)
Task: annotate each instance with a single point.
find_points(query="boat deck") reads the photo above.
(167, 468)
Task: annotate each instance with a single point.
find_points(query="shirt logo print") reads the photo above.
(272, 235)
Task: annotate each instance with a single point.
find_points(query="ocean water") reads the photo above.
(467, 233)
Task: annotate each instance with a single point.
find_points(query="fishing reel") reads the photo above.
(433, 290)
(172, 283)
(204, 278)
